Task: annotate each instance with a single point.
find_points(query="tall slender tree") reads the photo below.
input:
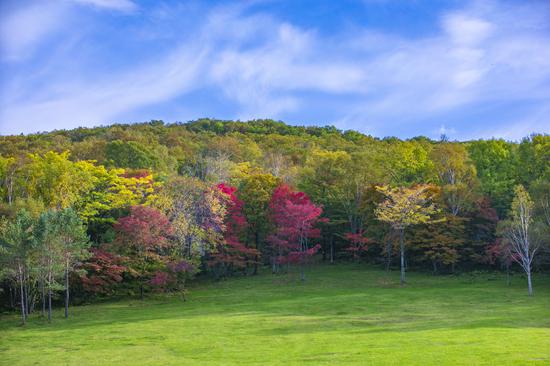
(519, 233)
(74, 244)
(15, 252)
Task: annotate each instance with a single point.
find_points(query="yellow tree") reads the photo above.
(404, 207)
(56, 180)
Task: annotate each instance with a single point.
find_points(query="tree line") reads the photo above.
(128, 209)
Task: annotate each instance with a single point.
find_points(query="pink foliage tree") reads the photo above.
(294, 218)
(144, 238)
(358, 243)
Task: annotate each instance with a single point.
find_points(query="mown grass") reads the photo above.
(345, 314)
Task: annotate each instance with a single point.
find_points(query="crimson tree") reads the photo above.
(294, 217)
(144, 238)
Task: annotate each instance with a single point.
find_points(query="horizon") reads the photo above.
(469, 70)
(341, 131)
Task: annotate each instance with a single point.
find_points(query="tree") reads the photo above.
(9, 168)
(74, 245)
(440, 243)
(324, 179)
(143, 237)
(232, 252)
(294, 218)
(102, 271)
(481, 232)
(51, 259)
(130, 155)
(404, 207)
(56, 180)
(358, 243)
(495, 161)
(518, 233)
(15, 250)
(256, 190)
(456, 175)
(196, 212)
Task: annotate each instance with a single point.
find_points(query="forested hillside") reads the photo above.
(128, 209)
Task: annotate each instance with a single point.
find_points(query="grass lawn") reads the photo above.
(345, 314)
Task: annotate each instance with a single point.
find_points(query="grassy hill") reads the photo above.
(346, 314)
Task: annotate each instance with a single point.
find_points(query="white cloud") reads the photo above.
(119, 5)
(467, 30)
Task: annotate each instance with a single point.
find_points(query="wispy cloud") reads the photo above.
(24, 29)
(119, 5)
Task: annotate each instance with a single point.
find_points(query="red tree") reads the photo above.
(232, 253)
(103, 271)
(294, 218)
(144, 238)
(358, 243)
(174, 276)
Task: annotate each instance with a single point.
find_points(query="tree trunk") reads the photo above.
(12, 302)
(23, 311)
(66, 292)
(388, 254)
(331, 249)
(435, 266)
(32, 302)
(49, 297)
(402, 249)
(26, 288)
(256, 259)
(529, 284)
(141, 290)
(43, 298)
(49, 304)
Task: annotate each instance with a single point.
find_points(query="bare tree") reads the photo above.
(518, 232)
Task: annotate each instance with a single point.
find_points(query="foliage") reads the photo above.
(406, 206)
(232, 253)
(294, 219)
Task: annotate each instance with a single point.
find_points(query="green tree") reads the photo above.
(495, 162)
(51, 261)
(74, 244)
(456, 175)
(16, 247)
(255, 190)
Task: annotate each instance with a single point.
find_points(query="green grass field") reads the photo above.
(341, 315)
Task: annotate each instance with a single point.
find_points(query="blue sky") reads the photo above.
(401, 68)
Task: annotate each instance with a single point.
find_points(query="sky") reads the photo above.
(467, 69)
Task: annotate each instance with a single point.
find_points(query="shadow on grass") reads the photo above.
(340, 298)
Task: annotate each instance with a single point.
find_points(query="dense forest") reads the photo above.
(126, 210)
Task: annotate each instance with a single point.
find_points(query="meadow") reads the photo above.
(344, 314)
